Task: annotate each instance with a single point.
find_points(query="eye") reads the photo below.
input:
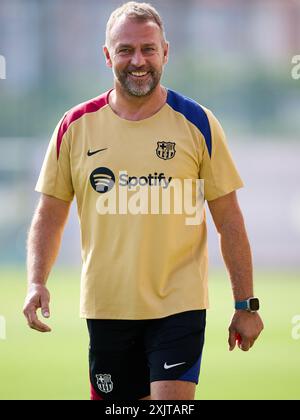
(124, 51)
(149, 49)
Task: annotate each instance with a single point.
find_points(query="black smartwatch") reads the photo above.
(250, 305)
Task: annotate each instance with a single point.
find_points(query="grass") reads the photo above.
(55, 366)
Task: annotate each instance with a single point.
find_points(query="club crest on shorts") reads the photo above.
(165, 150)
(104, 383)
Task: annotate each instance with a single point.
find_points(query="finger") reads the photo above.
(238, 338)
(29, 313)
(45, 307)
(252, 343)
(34, 322)
(39, 326)
(245, 344)
(232, 340)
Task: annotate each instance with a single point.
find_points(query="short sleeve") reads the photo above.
(55, 178)
(217, 167)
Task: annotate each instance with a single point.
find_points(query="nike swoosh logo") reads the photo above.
(89, 153)
(171, 366)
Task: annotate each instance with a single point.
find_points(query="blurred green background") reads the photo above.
(234, 57)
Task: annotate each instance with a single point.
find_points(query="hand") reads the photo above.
(245, 328)
(37, 297)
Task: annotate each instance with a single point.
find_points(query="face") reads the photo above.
(137, 55)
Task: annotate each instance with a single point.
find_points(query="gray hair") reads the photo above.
(137, 11)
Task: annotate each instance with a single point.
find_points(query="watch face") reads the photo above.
(254, 304)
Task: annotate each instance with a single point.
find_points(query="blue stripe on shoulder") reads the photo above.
(192, 112)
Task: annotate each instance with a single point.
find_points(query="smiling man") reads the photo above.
(144, 276)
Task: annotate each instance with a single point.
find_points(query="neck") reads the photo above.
(136, 108)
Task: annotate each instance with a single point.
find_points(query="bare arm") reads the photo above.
(236, 252)
(43, 244)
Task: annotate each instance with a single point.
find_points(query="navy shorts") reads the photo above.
(127, 355)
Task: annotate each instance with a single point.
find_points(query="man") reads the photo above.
(144, 276)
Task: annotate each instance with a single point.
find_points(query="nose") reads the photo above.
(137, 59)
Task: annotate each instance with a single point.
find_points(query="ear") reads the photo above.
(166, 52)
(107, 56)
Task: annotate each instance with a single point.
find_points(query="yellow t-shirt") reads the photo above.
(138, 263)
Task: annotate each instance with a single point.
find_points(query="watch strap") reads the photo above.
(242, 305)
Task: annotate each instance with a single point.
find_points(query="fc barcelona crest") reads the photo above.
(165, 150)
(104, 383)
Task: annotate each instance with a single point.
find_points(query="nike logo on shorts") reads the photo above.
(166, 366)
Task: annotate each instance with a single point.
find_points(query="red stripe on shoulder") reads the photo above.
(77, 112)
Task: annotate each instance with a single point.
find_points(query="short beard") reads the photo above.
(134, 88)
